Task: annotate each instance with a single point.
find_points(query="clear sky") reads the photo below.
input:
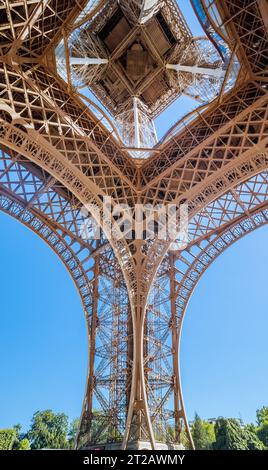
(43, 345)
(224, 341)
(43, 350)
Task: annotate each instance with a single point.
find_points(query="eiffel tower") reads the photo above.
(81, 84)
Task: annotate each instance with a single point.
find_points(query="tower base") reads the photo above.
(135, 445)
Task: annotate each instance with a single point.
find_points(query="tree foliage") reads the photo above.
(24, 444)
(262, 422)
(203, 433)
(231, 436)
(73, 432)
(51, 430)
(262, 433)
(7, 438)
(262, 416)
(48, 430)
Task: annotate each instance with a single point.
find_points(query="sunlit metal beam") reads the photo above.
(88, 61)
(193, 69)
(149, 9)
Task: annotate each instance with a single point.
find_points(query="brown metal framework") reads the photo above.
(58, 155)
(138, 58)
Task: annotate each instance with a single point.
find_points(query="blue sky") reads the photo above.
(43, 345)
(224, 340)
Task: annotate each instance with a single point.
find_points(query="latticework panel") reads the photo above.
(29, 27)
(41, 103)
(217, 136)
(248, 21)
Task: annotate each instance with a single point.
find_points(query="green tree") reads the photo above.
(24, 444)
(231, 436)
(262, 416)
(262, 433)
(262, 425)
(20, 441)
(184, 440)
(48, 430)
(73, 432)
(18, 428)
(7, 439)
(202, 433)
(18, 436)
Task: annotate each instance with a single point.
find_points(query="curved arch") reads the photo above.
(43, 205)
(59, 134)
(214, 188)
(56, 242)
(65, 165)
(207, 252)
(213, 247)
(242, 201)
(91, 286)
(37, 150)
(38, 201)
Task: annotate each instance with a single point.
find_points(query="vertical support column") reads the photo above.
(263, 6)
(129, 354)
(175, 358)
(93, 328)
(87, 414)
(136, 127)
(138, 425)
(145, 352)
(179, 410)
(120, 350)
(136, 122)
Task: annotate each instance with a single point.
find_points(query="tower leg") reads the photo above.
(138, 425)
(179, 409)
(87, 412)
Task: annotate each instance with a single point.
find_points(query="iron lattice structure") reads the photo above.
(137, 61)
(60, 152)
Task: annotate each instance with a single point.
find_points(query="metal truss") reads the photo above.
(141, 10)
(248, 23)
(191, 265)
(136, 128)
(103, 415)
(58, 155)
(38, 201)
(29, 26)
(213, 139)
(193, 66)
